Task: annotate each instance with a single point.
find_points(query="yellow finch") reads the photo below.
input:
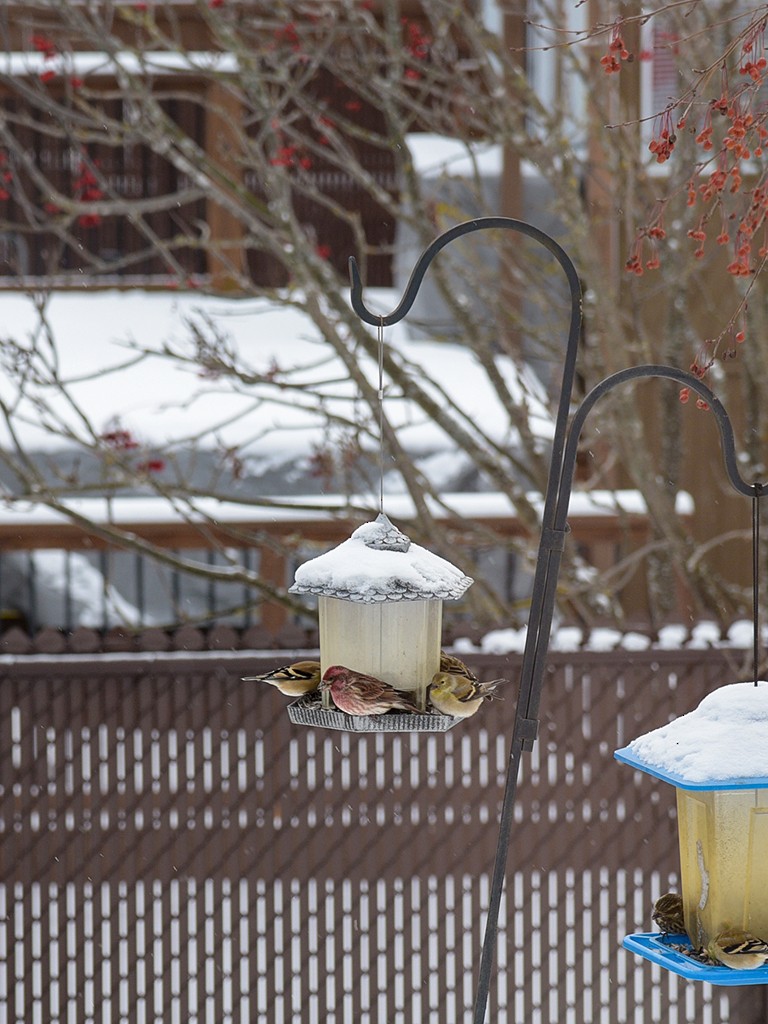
(668, 913)
(359, 694)
(458, 695)
(739, 950)
(292, 680)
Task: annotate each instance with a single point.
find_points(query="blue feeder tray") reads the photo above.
(657, 948)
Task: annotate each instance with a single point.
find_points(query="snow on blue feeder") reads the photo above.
(717, 758)
(380, 600)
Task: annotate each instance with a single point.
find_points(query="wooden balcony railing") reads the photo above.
(65, 573)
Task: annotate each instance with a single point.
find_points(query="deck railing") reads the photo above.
(57, 574)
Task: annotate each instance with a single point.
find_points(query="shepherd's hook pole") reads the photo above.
(554, 524)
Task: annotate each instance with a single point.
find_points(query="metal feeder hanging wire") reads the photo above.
(553, 533)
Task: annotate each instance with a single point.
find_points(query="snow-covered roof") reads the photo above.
(435, 155)
(156, 509)
(442, 155)
(103, 338)
(379, 563)
(722, 744)
(96, 62)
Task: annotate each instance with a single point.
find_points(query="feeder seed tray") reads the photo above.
(658, 950)
(308, 710)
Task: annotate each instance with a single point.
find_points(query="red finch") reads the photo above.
(292, 680)
(458, 695)
(359, 694)
(668, 913)
(739, 950)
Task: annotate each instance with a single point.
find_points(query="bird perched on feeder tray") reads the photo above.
(668, 913)
(293, 680)
(739, 950)
(456, 694)
(450, 663)
(359, 694)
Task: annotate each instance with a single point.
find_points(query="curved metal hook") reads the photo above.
(574, 328)
(683, 377)
(423, 262)
(554, 529)
(555, 526)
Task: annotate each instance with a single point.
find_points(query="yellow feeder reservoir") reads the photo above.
(380, 601)
(717, 759)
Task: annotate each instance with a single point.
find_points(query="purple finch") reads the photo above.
(292, 680)
(457, 695)
(359, 694)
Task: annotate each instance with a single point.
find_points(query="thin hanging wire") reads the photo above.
(381, 414)
(755, 581)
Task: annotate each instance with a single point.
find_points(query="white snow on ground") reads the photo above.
(440, 155)
(66, 580)
(702, 636)
(435, 155)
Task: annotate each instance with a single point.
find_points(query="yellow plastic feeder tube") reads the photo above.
(723, 836)
(716, 757)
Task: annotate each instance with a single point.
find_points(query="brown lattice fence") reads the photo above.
(174, 850)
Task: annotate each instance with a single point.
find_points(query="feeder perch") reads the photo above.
(380, 601)
(717, 759)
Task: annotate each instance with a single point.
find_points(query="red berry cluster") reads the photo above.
(616, 53)
(118, 439)
(86, 189)
(417, 44)
(663, 142)
(733, 130)
(753, 63)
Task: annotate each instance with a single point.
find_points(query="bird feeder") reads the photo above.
(717, 759)
(380, 601)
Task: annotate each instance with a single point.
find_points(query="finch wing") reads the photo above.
(744, 944)
(455, 666)
(463, 689)
(369, 687)
(488, 689)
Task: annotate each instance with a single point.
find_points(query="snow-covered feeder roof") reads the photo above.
(722, 744)
(379, 563)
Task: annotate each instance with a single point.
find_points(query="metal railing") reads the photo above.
(62, 575)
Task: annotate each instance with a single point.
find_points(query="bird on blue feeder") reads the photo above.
(716, 757)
